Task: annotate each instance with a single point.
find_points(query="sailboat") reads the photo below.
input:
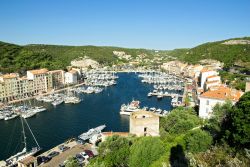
(13, 160)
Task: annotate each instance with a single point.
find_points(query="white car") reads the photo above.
(84, 155)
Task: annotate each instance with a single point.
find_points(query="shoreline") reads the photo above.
(72, 86)
(43, 94)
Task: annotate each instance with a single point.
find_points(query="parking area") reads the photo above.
(74, 148)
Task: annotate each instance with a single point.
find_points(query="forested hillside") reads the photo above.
(20, 58)
(230, 54)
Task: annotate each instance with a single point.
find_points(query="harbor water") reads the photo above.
(65, 121)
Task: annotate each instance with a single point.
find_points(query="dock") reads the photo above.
(164, 95)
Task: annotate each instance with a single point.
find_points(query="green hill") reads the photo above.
(16, 58)
(21, 58)
(229, 54)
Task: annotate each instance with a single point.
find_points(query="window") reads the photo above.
(207, 102)
(206, 110)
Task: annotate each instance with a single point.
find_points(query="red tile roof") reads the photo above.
(223, 93)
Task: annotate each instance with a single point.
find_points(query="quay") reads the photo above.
(165, 95)
(44, 94)
(74, 149)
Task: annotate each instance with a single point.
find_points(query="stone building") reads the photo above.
(144, 123)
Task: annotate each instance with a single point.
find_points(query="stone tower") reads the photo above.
(144, 123)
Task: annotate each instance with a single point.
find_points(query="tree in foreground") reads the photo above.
(180, 120)
(144, 151)
(238, 133)
(198, 141)
(72, 162)
(113, 152)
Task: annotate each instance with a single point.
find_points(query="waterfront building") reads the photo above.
(71, 77)
(14, 87)
(42, 80)
(144, 123)
(57, 78)
(9, 86)
(216, 95)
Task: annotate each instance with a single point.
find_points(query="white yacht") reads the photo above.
(57, 102)
(28, 114)
(39, 109)
(9, 117)
(127, 109)
(72, 99)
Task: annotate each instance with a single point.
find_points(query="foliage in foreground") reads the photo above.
(72, 162)
(238, 133)
(145, 151)
(186, 141)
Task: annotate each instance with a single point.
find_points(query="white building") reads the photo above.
(212, 81)
(70, 77)
(210, 98)
(205, 73)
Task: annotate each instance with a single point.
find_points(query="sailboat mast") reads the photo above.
(32, 134)
(24, 136)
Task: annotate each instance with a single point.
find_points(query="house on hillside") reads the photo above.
(216, 95)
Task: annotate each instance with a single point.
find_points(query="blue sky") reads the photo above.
(156, 24)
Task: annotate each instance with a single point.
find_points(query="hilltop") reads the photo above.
(234, 51)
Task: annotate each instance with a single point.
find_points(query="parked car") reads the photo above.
(43, 159)
(89, 153)
(84, 155)
(53, 154)
(79, 141)
(80, 158)
(63, 148)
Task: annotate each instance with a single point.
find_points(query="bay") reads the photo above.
(65, 121)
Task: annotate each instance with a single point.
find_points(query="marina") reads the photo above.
(57, 124)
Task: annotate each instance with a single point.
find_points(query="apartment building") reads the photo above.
(71, 77)
(58, 78)
(42, 80)
(9, 86)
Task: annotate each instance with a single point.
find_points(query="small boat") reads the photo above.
(39, 109)
(150, 94)
(28, 114)
(72, 99)
(57, 102)
(9, 117)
